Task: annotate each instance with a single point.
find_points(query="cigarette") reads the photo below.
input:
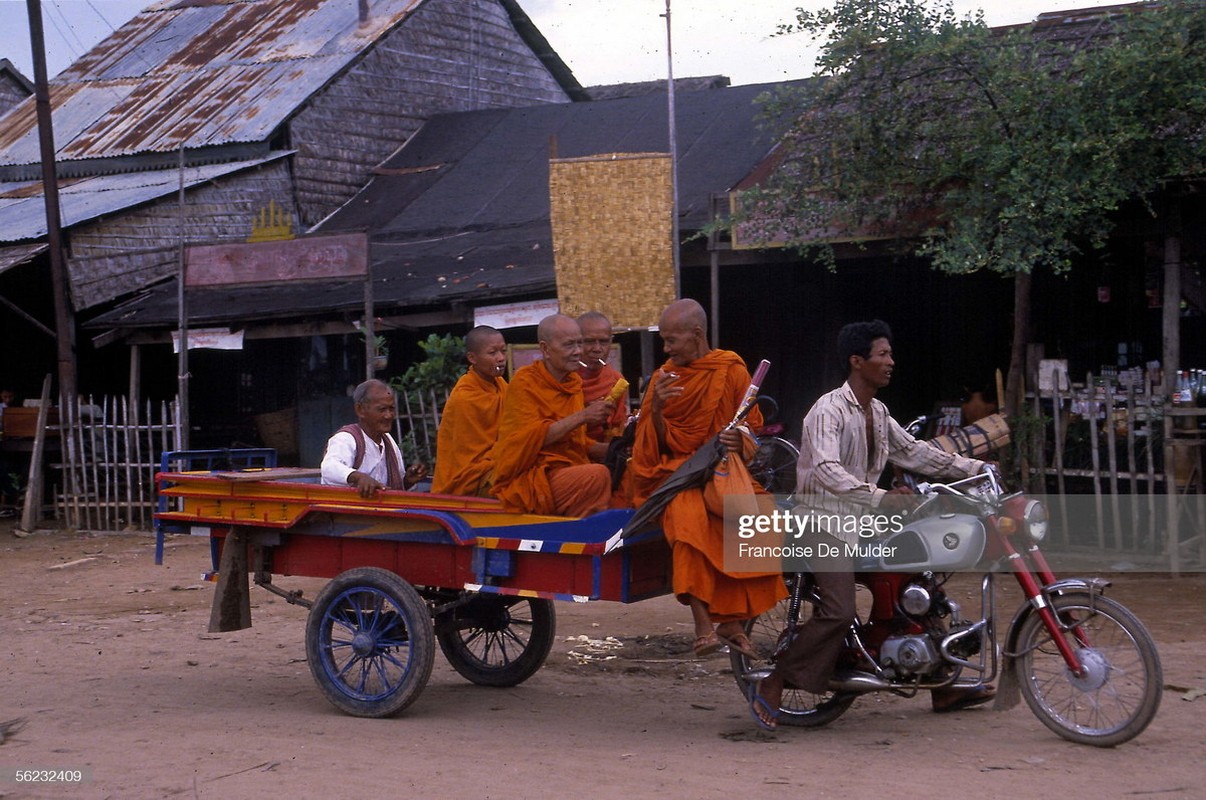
(602, 363)
(584, 365)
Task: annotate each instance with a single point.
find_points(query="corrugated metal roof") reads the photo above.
(461, 212)
(23, 209)
(19, 254)
(199, 73)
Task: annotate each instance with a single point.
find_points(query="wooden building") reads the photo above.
(266, 115)
(14, 87)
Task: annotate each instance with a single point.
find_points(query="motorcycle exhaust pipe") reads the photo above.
(859, 682)
(854, 682)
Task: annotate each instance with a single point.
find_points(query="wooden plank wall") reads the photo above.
(126, 252)
(451, 55)
(11, 93)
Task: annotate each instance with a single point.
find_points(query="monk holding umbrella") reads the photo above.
(692, 399)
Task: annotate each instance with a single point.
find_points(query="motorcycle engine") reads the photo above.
(907, 656)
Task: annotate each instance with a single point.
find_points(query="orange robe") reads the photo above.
(467, 432)
(524, 467)
(713, 388)
(597, 383)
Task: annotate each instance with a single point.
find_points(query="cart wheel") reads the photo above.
(497, 640)
(369, 642)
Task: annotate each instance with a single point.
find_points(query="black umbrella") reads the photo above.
(696, 470)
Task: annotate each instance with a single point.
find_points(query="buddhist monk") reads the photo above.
(469, 424)
(598, 377)
(695, 394)
(542, 460)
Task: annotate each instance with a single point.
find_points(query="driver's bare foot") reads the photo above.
(764, 698)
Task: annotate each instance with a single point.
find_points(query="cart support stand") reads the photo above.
(232, 599)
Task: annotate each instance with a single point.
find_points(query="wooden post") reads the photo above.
(1112, 460)
(1151, 462)
(1132, 462)
(1095, 452)
(1172, 365)
(31, 514)
(231, 610)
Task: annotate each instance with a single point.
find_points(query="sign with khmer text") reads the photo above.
(310, 258)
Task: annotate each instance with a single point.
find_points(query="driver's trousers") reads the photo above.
(810, 659)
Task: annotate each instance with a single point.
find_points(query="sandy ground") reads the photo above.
(109, 663)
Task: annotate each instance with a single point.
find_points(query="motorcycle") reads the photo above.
(1086, 666)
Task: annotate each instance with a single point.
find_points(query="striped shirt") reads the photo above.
(837, 474)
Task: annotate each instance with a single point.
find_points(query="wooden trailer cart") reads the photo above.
(406, 570)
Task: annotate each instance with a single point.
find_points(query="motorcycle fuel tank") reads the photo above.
(942, 543)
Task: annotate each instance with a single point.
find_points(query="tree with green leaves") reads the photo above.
(984, 149)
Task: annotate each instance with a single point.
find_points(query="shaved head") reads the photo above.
(560, 344)
(682, 328)
(480, 337)
(684, 314)
(549, 326)
(594, 317)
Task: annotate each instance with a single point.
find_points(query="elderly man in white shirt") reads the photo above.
(364, 455)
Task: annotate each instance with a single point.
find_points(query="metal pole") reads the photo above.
(714, 270)
(673, 155)
(370, 336)
(182, 379)
(63, 318)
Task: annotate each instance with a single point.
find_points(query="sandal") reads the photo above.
(758, 704)
(957, 698)
(742, 644)
(707, 645)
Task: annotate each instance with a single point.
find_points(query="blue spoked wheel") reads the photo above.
(369, 642)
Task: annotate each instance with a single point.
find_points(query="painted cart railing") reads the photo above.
(407, 570)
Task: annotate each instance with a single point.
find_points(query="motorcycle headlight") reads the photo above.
(1036, 520)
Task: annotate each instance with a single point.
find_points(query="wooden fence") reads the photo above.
(417, 424)
(1102, 450)
(110, 457)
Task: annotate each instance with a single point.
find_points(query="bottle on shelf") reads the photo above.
(1181, 396)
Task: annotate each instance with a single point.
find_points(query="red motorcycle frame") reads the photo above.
(1086, 666)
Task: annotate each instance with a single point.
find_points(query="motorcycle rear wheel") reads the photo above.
(1120, 691)
(798, 708)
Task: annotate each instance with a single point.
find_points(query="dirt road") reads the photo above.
(107, 659)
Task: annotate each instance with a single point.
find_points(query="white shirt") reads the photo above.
(341, 454)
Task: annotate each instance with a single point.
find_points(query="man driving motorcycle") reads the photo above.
(848, 439)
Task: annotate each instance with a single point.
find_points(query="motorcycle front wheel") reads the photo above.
(798, 707)
(1119, 690)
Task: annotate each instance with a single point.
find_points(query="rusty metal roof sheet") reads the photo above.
(461, 212)
(199, 73)
(23, 209)
(19, 254)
